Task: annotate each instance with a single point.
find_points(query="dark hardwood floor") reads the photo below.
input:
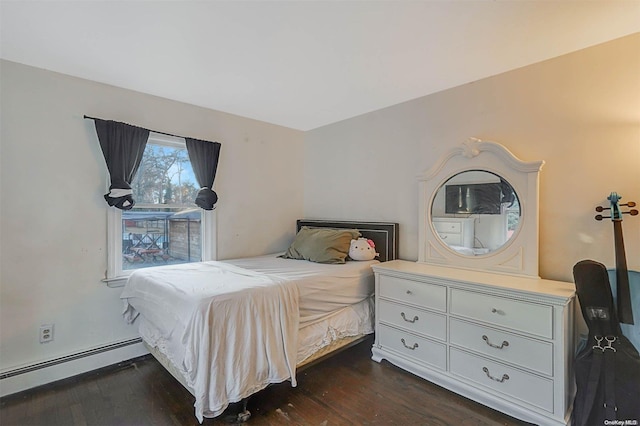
(347, 389)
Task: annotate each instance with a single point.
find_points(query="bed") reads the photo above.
(228, 329)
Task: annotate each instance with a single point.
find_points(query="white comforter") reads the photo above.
(324, 288)
(195, 325)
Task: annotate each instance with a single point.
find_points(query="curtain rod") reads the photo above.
(86, 117)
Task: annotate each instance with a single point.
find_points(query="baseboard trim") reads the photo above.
(56, 361)
(29, 376)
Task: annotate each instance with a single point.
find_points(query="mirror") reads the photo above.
(479, 210)
(475, 212)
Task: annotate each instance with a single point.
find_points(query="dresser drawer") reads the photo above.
(412, 319)
(528, 353)
(411, 346)
(414, 292)
(451, 239)
(518, 315)
(450, 227)
(527, 387)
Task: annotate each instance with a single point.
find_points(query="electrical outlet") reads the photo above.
(46, 333)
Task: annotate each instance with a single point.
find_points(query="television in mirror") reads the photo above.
(479, 198)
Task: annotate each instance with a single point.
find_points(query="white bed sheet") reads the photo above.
(324, 288)
(259, 316)
(178, 302)
(350, 321)
(354, 320)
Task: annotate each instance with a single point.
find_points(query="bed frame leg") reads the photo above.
(237, 412)
(244, 415)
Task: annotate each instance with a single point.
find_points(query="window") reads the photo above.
(165, 226)
(513, 217)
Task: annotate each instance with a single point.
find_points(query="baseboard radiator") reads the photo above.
(40, 373)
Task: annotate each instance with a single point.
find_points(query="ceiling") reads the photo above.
(301, 64)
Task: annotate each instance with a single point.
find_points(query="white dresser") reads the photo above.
(506, 342)
(455, 231)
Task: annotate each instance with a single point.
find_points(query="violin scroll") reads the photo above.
(616, 213)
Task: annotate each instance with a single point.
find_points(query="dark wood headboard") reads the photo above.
(383, 234)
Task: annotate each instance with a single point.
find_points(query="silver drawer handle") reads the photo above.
(444, 237)
(415, 318)
(504, 343)
(497, 311)
(409, 292)
(415, 345)
(504, 376)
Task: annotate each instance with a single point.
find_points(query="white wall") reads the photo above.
(579, 112)
(53, 215)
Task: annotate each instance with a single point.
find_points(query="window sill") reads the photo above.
(116, 281)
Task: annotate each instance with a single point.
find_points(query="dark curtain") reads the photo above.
(122, 146)
(204, 160)
(508, 194)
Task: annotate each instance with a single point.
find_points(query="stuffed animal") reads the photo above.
(362, 249)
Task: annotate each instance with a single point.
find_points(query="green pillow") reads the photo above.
(321, 245)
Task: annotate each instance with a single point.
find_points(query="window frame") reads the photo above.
(115, 275)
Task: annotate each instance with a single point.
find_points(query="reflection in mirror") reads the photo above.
(475, 212)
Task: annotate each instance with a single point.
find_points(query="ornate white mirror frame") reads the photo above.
(518, 255)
